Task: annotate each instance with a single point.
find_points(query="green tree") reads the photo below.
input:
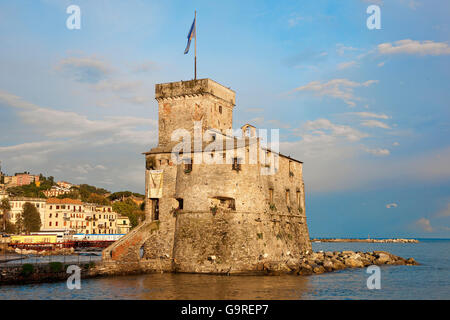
(73, 194)
(18, 227)
(5, 207)
(31, 218)
(129, 209)
(10, 227)
(98, 199)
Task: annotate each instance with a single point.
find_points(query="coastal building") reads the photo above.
(100, 219)
(64, 184)
(55, 191)
(123, 224)
(215, 216)
(70, 215)
(67, 214)
(21, 179)
(17, 204)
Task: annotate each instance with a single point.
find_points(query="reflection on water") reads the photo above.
(169, 286)
(82, 258)
(431, 280)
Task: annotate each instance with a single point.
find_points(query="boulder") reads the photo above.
(319, 269)
(328, 265)
(353, 263)
(337, 265)
(411, 261)
(383, 258)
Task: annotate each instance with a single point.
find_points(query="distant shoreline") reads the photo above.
(367, 240)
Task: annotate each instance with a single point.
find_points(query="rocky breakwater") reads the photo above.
(368, 240)
(320, 262)
(55, 252)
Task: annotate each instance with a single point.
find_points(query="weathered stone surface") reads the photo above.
(353, 263)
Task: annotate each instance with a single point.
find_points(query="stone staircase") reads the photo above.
(127, 248)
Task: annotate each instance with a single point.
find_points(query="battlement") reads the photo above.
(178, 89)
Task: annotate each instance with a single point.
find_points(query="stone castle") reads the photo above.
(227, 217)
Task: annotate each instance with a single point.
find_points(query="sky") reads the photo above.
(367, 111)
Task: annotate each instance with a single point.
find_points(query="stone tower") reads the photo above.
(214, 217)
(182, 103)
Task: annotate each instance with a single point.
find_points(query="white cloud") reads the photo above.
(337, 88)
(370, 115)
(374, 124)
(381, 64)
(323, 127)
(71, 140)
(408, 46)
(85, 69)
(395, 144)
(66, 124)
(424, 224)
(345, 65)
(377, 151)
(391, 205)
(341, 49)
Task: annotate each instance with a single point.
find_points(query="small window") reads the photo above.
(180, 205)
(220, 109)
(271, 195)
(236, 165)
(287, 196)
(187, 166)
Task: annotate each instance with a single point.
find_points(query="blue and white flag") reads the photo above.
(190, 36)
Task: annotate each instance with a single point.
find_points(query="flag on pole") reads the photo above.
(191, 35)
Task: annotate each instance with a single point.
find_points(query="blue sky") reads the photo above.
(366, 110)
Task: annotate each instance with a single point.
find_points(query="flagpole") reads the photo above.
(195, 59)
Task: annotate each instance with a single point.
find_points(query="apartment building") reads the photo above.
(17, 204)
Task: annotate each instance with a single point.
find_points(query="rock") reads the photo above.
(347, 252)
(293, 267)
(337, 265)
(411, 261)
(353, 263)
(319, 269)
(383, 258)
(355, 256)
(305, 269)
(328, 265)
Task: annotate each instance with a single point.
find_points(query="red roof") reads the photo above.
(63, 201)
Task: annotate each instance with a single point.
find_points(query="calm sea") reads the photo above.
(430, 280)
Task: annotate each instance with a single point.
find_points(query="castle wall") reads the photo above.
(209, 236)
